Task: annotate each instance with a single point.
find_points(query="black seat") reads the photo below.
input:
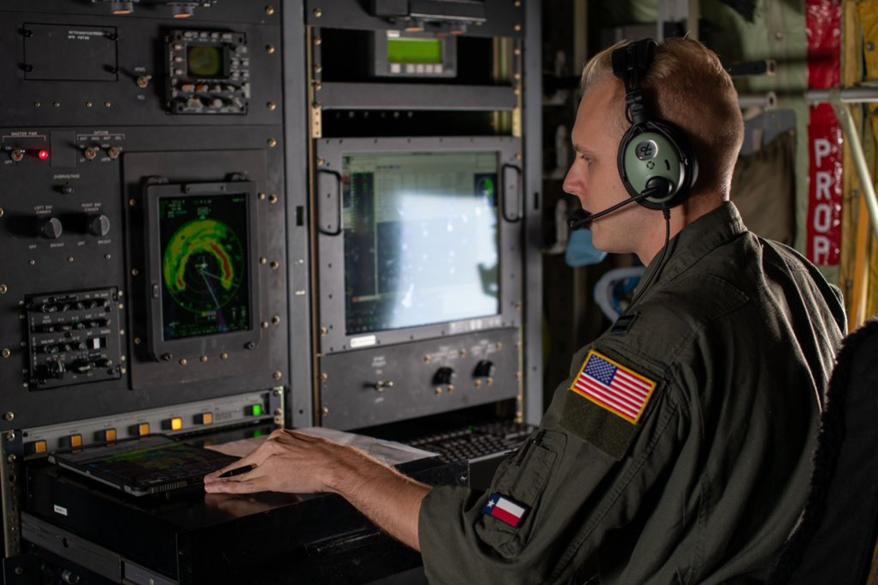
(835, 539)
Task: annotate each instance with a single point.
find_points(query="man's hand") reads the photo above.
(286, 462)
(295, 463)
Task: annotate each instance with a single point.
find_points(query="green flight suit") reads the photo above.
(736, 339)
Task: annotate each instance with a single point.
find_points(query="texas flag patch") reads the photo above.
(505, 510)
(613, 387)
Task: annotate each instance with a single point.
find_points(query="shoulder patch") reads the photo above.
(613, 387)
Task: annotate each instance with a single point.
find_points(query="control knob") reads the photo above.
(484, 369)
(444, 376)
(51, 228)
(99, 225)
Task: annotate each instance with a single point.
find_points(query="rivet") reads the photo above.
(89, 104)
(324, 376)
(321, 162)
(272, 198)
(438, 391)
(318, 86)
(71, 259)
(56, 104)
(132, 202)
(318, 68)
(264, 324)
(262, 196)
(134, 272)
(517, 28)
(270, 49)
(778, 35)
(274, 264)
(108, 104)
(277, 375)
(318, 41)
(324, 330)
(9, 416)
(224, 356)
(271, 142)
(37, 105)
(136, 341)
(184, 362)
(2, 212)
(318, 12)
(275, 319)
(6, 353)
(203, 359)
(108, 256)
(10, 435)
(269, 10)
(325, 410)
(271, 106)
(870, 46)
(263, 260)
(427, 359)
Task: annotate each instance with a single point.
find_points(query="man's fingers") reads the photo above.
(226, 486)
(256, 458)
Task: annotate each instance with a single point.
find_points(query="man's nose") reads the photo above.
(573, 182)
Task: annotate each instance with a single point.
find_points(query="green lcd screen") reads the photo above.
(206, 62)
(414, 51)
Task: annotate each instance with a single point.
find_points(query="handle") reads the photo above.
(324, 197)
(511, 184)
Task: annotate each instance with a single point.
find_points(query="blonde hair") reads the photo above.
(687, 86)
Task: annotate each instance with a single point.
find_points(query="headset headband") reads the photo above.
(631, 64)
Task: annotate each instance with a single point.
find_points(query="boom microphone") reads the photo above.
(582, 219)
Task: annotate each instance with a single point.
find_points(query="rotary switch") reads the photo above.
(443, 376)
(51, 228)
(99, 225)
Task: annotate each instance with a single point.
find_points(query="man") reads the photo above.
(695, 467)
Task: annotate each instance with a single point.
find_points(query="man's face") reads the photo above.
(594, 176)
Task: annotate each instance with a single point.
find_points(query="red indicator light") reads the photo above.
(43, 154)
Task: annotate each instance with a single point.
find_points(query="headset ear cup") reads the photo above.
(649, 155)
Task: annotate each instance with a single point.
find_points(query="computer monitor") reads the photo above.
(421, 244)
(417, 238)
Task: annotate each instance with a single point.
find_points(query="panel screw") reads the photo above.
(10, 435)
(517, 28)
(264, 324)
(325, 410)
(261, 196)
(184, 362)
(324, 376)
(136, 341)
(277, 375)
(12, 458)
(3, 289)
(272, 142)
(132, 202)
(6, 353)
(269, 10)
(224, 356)
(203, 359)
(272, 198)
(318, 12)
(250, 345)
(2, 212)
(274, 264)
(9, 416)
(263, 260)
(324, 330)
(275, 319)
(134, 272)
(19, 571)
(271, 106)
(270, 49)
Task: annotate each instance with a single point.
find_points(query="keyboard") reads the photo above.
(476, 441)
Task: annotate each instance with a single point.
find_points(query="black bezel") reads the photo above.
(189, 347)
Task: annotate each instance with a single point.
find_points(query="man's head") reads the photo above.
(687, 86)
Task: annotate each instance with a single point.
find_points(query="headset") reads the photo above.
(656, 164)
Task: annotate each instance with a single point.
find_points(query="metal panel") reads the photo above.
(533, 236)
(410, 96)
(503, 16)
(385, 384)
(300, 401)
(331, 247)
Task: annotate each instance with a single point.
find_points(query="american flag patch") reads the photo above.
(613, 387)
(505, 510)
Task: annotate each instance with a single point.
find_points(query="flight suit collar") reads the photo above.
(695, 241)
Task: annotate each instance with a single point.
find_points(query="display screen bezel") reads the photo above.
(330, 249)
(159, 346)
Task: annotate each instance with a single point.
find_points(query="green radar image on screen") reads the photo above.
(204, 265)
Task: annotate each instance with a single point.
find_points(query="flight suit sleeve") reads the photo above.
(561, 492)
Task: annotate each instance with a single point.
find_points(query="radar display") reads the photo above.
(205, 276)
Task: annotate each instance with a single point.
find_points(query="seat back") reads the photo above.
(835, 539)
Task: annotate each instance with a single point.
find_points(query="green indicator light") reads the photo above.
(258, 433)
(256, 410)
